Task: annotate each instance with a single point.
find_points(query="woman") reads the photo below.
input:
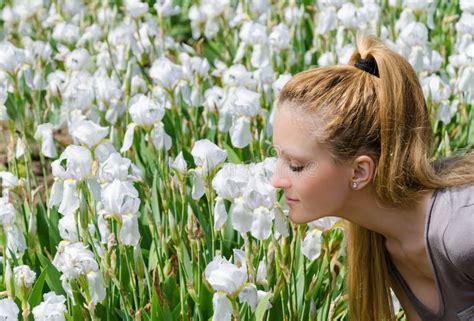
(354, 141)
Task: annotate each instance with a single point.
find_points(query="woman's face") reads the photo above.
(313, 184)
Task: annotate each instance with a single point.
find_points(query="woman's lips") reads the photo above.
(290, 200)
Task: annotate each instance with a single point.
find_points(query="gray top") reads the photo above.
(449, 237)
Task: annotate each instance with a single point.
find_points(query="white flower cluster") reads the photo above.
(461, 63)
(311, 246)
(110, 185)
(147, 113)
(24, 276)
(15, 239)
(231, 280)
(207, 156)
(107, 178)
(8, 310)
(254, 199)
(52, 308)
(77, 264)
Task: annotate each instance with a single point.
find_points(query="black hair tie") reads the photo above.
(369, 65)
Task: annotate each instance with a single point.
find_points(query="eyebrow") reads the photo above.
(291, 155)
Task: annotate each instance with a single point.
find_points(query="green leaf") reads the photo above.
(52, 275)
(159, 311)
(232, 155)
(37, 290)
(186, 261)
(324, 312)
(77, 312)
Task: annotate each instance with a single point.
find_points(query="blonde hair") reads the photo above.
(385, 117)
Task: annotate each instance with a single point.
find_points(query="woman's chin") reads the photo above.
(297, 216)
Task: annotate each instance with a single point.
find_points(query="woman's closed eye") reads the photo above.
(295, 168)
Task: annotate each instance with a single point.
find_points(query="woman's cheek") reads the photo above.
(322, 193)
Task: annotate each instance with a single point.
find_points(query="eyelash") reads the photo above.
(296, 168)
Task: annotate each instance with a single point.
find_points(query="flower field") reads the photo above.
(136, 151)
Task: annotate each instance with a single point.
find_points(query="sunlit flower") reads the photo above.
(253, 33)
(262, 223)
(9, 181)
(465, 83)
(74, 163)
(199, 188)
(436, 89)
(240, 134)
(87, 132)
(107, 88)
(44, 134)
(136, 8)
(206, 14)
(427, 7)
(279, 83)
(8, 310)
(225, 276)
(52, 308)
(414, 34)
(207, 155)
(179, 164)
(74, 260)
(261, 272)
(19, 148)
(145, 111)
(220, 213)
(324, 223)
(242, 104)
(120, 200)
(248, 188)
(77, 59)
(236, 76)
(77, 93)
(222, 307)
(118, 167)
(326, 21)
(280, 37)
(7, 211)
(231, 180)
(16, 243)
(348, 15)
(159, 137)
(250, 295)
(165, 8)
(242, 216)
(67, 33)
(406, 17)
(24, 276)
(67, 226)
(11, 57)
(311, 247)
(165, 73)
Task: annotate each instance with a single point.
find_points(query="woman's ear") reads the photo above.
(363, 168)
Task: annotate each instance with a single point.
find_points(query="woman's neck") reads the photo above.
(403, 228)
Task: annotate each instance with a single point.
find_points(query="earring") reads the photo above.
(354, 185)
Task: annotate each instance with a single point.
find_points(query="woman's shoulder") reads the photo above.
(458, 237)
(458, 196)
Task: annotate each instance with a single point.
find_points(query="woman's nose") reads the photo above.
(278, 181)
